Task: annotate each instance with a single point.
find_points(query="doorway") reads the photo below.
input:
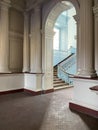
(49, 19)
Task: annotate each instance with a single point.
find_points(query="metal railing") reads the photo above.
(64, 67)
(64, 75)
(58, 56)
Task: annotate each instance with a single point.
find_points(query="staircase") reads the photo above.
(57, 82)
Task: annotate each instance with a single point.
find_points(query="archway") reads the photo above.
(57, 7)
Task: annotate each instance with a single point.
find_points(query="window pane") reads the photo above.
(56, 39)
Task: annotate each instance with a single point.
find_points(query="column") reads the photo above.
(77, 19)
(4, 38)
(35, 42)
(26, 45)
(86, 39)
(96, 36)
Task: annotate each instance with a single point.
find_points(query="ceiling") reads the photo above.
(28, 3)
(34, 3)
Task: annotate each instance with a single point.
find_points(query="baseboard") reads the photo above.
(33, 93)
(48, 91)
(83, 110)
(39, 92)
(11, 91)
(27, 91)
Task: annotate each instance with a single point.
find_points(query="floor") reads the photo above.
(22, 111)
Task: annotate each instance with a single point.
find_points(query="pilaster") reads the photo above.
(4, 38)
(35, 42)
(77, 19)
(26, 45)
(95, 9)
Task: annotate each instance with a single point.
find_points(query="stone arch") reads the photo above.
(49, 7)
(53, 10)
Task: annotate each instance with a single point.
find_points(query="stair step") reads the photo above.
(54, 73)
(59, 81)
(55, 76)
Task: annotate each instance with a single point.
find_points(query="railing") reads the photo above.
(65, 69)
(58, 56)
(67, 64)
(64, 75)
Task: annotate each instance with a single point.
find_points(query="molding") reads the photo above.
(39, 92)
(15, 35)
(33, 93)
(20, 72)
(33, 73)
(84, 110)
(48, 91)
(11, 91)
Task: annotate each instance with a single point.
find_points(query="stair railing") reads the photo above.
(64, 75)
(59, 56)
(69, 62)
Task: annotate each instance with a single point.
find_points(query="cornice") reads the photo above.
(95, 9)
(15, 35)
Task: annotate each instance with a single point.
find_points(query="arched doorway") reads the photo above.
(55, 8)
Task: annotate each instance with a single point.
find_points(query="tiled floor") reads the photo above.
(21, 111)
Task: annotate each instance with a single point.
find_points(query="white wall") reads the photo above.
(17, 81)
(33, 82)
(11, 82)
(83, 95)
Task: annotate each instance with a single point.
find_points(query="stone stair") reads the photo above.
(57, 82)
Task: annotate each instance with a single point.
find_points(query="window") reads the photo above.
(56, 39)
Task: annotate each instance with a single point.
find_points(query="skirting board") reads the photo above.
(28, 91)
(83, 110)
(11, 91)
(38, 92)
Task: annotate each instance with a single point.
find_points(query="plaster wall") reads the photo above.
(11, 82)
